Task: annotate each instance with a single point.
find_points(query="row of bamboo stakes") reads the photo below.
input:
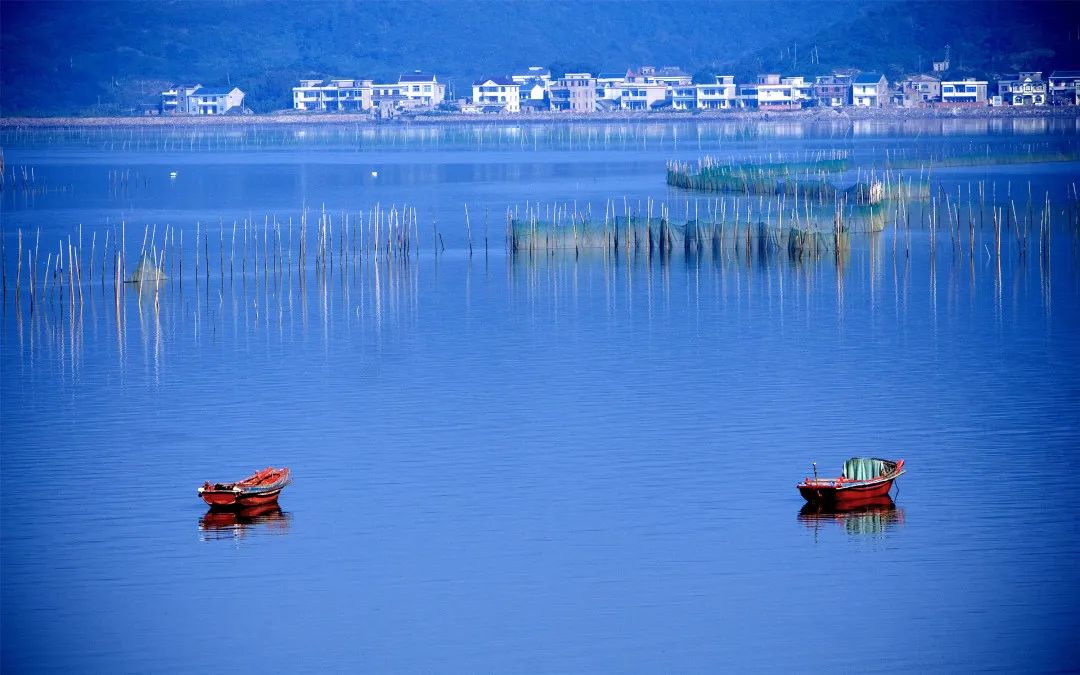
(322, 242)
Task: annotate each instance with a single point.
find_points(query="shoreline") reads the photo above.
(826, 115)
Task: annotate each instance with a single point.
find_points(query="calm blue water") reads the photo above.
(549, 463)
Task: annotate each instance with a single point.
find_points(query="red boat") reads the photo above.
(262, 487)
(864, 479)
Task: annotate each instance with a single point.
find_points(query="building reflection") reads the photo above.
(872, 517)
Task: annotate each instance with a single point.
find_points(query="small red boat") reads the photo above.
(262, 487)
(864, 479)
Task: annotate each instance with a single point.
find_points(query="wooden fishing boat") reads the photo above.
(262, 487)
(864, 479)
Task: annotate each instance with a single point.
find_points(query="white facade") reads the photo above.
(422, 89)
(963, 91)
(497, 91)
(717, 96)
(1026, 88)
(682, 97)
(641, 91)
(869, 90)
(609, 86)
(214, 100)
(333, 95)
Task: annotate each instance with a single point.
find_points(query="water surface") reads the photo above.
(539, 463)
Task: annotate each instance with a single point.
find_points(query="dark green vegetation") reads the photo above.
(816, 179)
(108, 57)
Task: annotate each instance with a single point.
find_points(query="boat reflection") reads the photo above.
(870, 517)
(228, 524)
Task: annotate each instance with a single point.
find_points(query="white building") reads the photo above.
(641, 91)
(781, 93)
(215, 101)
(1025, 88)
(497, 92)
(422, 89)
(964, 91)
(333, 95)
(717, 96)
(609, 86)
(174, 100)
(682, 97)
(869, 90)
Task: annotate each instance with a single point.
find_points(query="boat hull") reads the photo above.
(231, 500)
(846, 496)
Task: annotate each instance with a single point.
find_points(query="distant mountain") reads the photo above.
(102, 57)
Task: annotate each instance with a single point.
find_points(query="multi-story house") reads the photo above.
(215, 101)
(782, 93)
(498, 93)
(832, 91)
(1065, 87)
(1024, 88)
(869, 90)
(333, 95)
(174, 100)
(682, 97)
(532, 91)
(574, 92)
(422, 89)
(919, 91)
(609, 86)
(719, 95)
(968, 92)
(641, 91)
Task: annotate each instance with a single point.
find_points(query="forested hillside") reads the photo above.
(106, 57)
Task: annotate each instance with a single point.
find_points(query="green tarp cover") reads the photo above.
(863, 468)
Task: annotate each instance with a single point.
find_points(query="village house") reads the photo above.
(412, 90)
(422, 89)
(1065, 87)
(719, 95)
(1024, 88)
(747, 95)
(574, 92)
(782, 93)
(334, 95)
(388, 99)
(609, 86)
(832, 91)
(919, 91)
(967, 92)
(215, 101)
(532, 91)
(641, 91)
(682, 97)
(174, 100)
(497, 94)
(869, 90)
